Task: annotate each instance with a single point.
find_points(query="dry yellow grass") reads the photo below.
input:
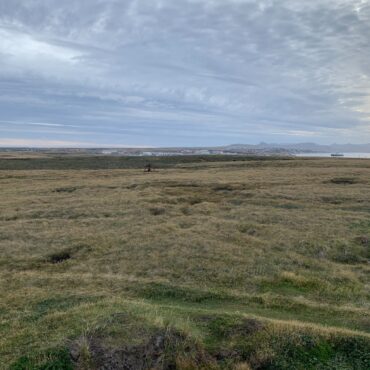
(281, 240)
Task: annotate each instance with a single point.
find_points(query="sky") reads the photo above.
(138, 73)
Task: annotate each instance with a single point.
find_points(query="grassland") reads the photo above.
(205, 263)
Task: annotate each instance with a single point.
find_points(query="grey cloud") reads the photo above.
(246, 70)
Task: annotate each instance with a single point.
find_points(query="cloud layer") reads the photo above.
(184, 72)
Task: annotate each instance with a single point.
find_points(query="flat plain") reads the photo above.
(204, 263)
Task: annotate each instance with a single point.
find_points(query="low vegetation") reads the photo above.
(204, 263)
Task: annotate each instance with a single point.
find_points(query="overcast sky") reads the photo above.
(183, 72)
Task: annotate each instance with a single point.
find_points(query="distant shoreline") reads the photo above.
(326, 155)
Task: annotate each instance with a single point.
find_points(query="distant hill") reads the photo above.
(248, 149)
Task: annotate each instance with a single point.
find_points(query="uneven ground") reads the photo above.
(205, 263)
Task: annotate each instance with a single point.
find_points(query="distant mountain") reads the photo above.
(302, 147)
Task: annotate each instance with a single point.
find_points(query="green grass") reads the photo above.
(73, 162)
(210, 262)
(51, 360)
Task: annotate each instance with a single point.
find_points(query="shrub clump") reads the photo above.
(59, 257)
(156, 211)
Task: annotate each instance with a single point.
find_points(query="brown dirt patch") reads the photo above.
(164, 350)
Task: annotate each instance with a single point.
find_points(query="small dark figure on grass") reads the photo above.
(148, 168)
